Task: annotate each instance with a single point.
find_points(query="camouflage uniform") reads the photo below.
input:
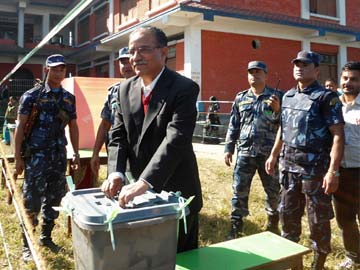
(304, 160)
(45, 165)
(254, 125)
(110, 104)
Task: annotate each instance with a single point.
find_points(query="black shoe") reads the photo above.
(236, 230)
(319, 261)
(47, 242)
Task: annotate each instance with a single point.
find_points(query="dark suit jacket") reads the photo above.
(158, 146)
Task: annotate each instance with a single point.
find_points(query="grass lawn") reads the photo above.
(216, 181)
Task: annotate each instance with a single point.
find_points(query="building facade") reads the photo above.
(211, 41)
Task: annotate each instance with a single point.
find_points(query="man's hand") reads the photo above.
(274, 103)
(95, 165)
(330, 183)
(128, 192)
(228, 158)
(111, 186)
(19, 165)
(270, 165)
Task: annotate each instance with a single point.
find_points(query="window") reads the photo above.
(83, 30)
(128, 10)
(323, 7)
(66, 32)
(171, 60)
(8, 25)
(328, 67)
(102, 70)
(84, 72)
(101, 15)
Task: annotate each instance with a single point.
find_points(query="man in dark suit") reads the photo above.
(153, 130)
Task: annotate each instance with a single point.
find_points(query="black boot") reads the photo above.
(319, 261)
(273, 224)
(45, 237)
(236, 229)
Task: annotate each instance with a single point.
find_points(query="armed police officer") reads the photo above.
(107, 113)
(310, 143)
(40, 147)
(254, 120)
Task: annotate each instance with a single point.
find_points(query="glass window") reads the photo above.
(102, 70)
(128, 10)
(65, 33)
(8, 25)
(83, 30)
(328, 67)
(321, 7)
(101, 15)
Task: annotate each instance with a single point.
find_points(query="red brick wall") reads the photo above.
(353, 54)
(353, 13)
(5, 68)
(287, 7)
(92, 26)
(180, 56)
(225, 57)
(324, 48)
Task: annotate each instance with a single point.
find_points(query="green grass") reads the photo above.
(216, 181)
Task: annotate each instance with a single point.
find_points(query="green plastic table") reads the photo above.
(259, 251)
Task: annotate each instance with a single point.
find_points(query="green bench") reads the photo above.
(259, 251)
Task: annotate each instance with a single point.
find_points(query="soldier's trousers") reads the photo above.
(347, 209)
(296, 193)
(243, 174)
(44, 184)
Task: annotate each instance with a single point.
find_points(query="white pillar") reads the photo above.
(75, 34)
(112, 65)
(306, 45)
(21, 27)
(305, 9)
(192, 54)
(342, 57)
(111, 17)
(45, 24)
(341, 8)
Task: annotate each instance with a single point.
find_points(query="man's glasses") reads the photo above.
(143, 50)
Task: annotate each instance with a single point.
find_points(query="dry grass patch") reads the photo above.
(216, 179)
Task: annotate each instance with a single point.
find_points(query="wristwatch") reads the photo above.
(335, 173)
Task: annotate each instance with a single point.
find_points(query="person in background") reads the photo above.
(107, 113)
(10, 117)
(346, 198)
(331, 84)
(310, 142)
(40, 148)
(254, 121)
(212, 122)
(153, 129)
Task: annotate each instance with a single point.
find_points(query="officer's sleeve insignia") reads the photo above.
(334, 101)
(68, 101)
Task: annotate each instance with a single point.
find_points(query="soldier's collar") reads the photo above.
(311, 87)
(48, 88)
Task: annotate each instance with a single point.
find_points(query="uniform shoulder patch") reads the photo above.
(334, 101)
(114, 85)
(68, 100)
